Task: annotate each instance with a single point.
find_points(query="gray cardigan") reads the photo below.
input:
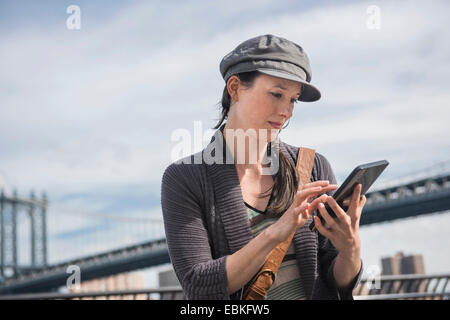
(205, 221)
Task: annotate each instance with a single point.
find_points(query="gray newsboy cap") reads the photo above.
(274, 56)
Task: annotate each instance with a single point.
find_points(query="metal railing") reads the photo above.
(163, 293)
(396, 287)
(410, 286)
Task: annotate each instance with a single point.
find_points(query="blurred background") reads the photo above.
(93, 92)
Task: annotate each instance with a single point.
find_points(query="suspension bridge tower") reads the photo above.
(35, 210)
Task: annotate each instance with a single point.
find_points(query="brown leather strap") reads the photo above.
(264, 279)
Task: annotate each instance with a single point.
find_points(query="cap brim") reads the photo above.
(309, 92)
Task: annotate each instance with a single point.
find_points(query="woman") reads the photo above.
(223, 218)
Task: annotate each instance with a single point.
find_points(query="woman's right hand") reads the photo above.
(300, 210)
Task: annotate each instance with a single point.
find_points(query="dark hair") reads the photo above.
(286, 179)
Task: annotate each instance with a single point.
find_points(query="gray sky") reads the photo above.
(87, 115)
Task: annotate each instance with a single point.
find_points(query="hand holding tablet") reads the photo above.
(365, 174)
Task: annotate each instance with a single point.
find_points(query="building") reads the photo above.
(400, 265)
(123, 281)
(168, 278)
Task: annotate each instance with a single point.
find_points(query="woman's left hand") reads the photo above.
(343, 231)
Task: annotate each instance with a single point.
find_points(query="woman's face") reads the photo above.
(266, 105)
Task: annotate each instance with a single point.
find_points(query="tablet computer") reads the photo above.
(366, 174)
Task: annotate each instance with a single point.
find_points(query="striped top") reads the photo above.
(287, 285)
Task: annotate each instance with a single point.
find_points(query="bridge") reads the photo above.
(419, 197)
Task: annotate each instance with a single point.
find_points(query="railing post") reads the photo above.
(445, 285)
(437, 284)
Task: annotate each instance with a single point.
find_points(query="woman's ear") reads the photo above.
(233, 88)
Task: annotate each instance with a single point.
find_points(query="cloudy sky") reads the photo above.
(87, 115)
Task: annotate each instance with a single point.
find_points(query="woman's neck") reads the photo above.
(248, 147)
